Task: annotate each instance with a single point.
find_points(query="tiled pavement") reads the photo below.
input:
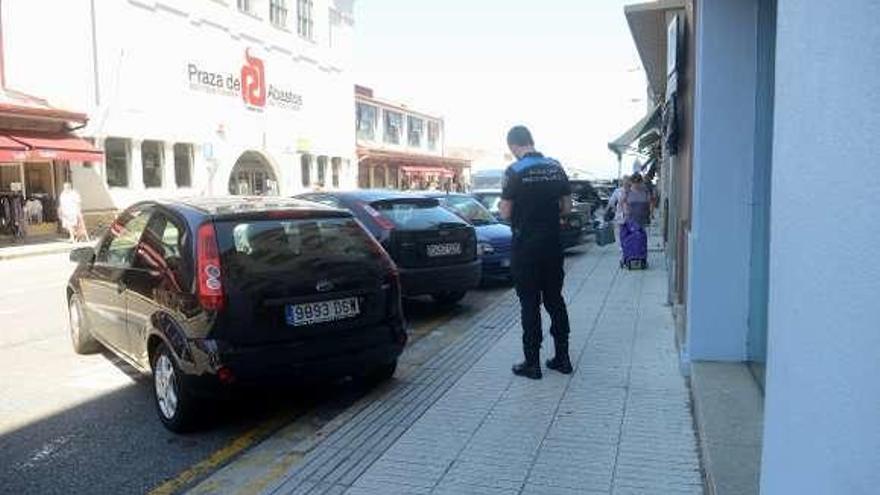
(621, 424)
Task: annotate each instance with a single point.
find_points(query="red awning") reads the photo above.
(42, 146)
(11, 150)
(427, 171)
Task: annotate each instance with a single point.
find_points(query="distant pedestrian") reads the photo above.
(535, 194)
(70, 213)
(616, 204)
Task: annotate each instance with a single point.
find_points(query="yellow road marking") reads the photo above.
(221, 456)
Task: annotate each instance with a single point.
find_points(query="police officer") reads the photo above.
(535, 193)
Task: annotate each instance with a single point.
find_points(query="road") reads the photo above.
(85, 424)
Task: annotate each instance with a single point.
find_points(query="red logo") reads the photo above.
(253, 81)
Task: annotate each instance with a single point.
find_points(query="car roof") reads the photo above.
(441, 194)
(370, 195)
(224, 205)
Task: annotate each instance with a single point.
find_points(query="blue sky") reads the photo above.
(566, 68)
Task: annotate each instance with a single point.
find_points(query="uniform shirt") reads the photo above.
(535, 184)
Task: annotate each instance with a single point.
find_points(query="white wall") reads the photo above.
(719, 243)
(822, 408)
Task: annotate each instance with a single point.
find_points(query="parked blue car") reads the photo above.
(494, 238)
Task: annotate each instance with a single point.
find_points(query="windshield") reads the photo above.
(416, 214)
(491, 201)
(472, 210)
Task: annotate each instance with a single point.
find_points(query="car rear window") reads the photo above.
(415, 214)
(259, 246)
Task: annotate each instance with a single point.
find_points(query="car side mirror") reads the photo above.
(82, 255)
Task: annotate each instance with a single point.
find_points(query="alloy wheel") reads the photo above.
(166, 386)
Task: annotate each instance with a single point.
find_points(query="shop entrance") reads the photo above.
(252, 176)
(29, 197)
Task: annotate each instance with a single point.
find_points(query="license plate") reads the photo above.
(448, 249)
(298, 315)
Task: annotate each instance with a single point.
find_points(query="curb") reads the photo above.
(36, 252)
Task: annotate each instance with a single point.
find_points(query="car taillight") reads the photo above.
(211, 295)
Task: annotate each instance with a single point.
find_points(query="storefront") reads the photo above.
(408, 171)
(36, 148)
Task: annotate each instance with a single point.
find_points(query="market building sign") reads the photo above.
(249, 84)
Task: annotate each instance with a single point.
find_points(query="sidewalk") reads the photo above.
(25, 250)
(463, 424)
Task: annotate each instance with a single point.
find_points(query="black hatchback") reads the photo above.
(434, 249)
(209, 294)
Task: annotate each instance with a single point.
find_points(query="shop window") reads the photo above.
(278, 13)
(116, 156)
(306, 170)
(244, 6)
(305, 21)
(322, 170)
(379, 177)
(366, 122)
(415, 129)
(151, 160)
(393, 127)
(183, 160)
(335, 165)
(433, 134)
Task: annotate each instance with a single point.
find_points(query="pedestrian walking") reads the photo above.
(616, 204)
(70, 213)
(637, 202)
(534, 194)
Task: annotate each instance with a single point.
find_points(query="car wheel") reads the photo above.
(174, 404)
(80, 332)
(381, 373)
(449, 297)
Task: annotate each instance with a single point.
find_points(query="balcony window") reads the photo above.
(278, 13)
(366, 122)
(116, 152)
(433, 135)
(305, 21)
(393, 127)
(183, 159)
(151, 160)
(415, 129)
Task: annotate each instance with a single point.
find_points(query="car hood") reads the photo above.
(494, 233)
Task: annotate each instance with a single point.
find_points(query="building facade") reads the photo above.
(402, 148)
(207, 97)
(765, 104)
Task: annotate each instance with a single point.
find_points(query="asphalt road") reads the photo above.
(86, 424)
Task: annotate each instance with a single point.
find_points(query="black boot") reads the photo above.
(528, 370)
(561, 362)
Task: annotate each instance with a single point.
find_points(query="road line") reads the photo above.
(223, 455)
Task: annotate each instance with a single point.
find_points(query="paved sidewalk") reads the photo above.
(26, 250)
(621, 424)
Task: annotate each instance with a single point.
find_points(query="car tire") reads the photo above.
(80, 330)
(381, 373)
(176, 407)
(451, 297)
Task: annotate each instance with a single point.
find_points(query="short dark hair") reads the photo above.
(520, 136)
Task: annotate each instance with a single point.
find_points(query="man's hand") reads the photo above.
(505, 207)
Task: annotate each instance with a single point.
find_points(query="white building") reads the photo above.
(193, 97)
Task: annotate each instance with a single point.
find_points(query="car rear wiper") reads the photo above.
(450, 225)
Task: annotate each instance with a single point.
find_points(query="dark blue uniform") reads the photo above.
(535, 184)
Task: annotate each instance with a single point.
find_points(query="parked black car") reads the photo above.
(211, 293)
(435, 249)
(575, 226)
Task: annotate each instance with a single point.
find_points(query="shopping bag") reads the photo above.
(605, 234)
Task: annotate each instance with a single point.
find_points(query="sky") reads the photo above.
(568, 69)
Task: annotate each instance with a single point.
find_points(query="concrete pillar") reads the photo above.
(821, 426)
(136, 172)
(169, 179)
(371, 182)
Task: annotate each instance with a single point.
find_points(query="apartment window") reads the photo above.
(366, 122)
(278, 12)
(322, 170)
(116, 155)
(306, 170)
(433, 134)
(415, 130)
(305, 22)
(183, 159)
(151, 160)
(393, 127)
(335, 165)
(244, 5)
